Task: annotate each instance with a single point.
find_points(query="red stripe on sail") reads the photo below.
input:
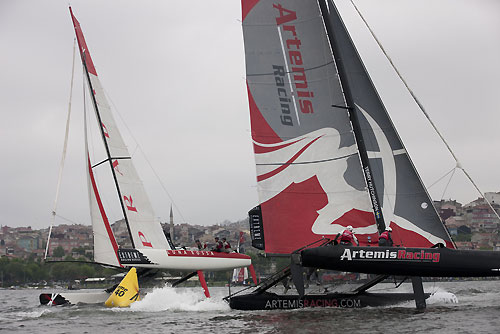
(84, 51)
(289, 216)
(408, 238)
(354, 220)
(103, 213)
(258, 149)
(246, 7)
(261, 131)
(287, 164)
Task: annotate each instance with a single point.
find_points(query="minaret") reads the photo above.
(171, 224)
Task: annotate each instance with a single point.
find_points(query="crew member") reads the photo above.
(226, 246)
(217, 246)
(201, 246)
(347, 237)
(385, 238)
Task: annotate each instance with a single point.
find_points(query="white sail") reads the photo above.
(145, 231)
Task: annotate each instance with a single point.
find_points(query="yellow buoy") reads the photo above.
(126, 292)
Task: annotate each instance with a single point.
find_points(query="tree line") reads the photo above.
(34, 271)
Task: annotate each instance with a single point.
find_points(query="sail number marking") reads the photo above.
(120, 291)
(144, 240)
(105, 130)
(115, 167)
(129, 203)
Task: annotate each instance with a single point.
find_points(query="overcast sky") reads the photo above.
(175, 72)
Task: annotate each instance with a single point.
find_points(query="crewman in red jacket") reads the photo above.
(347, 237)
(226, 246)
(385, 238)
(218, 245)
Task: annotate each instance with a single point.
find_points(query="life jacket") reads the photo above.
(227, 245)
(346, 237)
(218, 246)
(384, 235)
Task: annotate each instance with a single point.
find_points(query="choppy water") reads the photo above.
(456, 307)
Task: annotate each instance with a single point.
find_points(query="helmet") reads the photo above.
(349, 228)
(388, 229)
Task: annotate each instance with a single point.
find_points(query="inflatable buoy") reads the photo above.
(126, 292)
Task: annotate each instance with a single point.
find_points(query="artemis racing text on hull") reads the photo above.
(428, 262)
(272, 301)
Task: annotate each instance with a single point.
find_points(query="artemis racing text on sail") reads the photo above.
(293, 44)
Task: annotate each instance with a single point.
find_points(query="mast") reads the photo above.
(144, 230)
(103, 135)
(83, 51)
(374, 198)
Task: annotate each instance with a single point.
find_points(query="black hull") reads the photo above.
(272, 301)
(52, 299)
(423, 262)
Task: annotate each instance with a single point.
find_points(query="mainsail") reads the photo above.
(326, 151)
(145, 231)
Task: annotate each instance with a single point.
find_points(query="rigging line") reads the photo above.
(447, 185)
(442, 177)
(65, 146)
(459, 165)
(68, 220)
(308, 162)
(139, 147)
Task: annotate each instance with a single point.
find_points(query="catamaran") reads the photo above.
(328, 156)
(150, 247)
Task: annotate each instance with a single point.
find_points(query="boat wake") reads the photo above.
(178, 299)
(32, 314)
(441, 296)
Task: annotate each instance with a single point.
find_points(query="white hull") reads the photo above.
(185, 260)
(74, 298)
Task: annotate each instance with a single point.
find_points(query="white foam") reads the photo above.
(33, 314)
(178, 299)
(441, 296)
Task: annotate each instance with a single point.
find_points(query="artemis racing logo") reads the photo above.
(401, 254)
(294, 66)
